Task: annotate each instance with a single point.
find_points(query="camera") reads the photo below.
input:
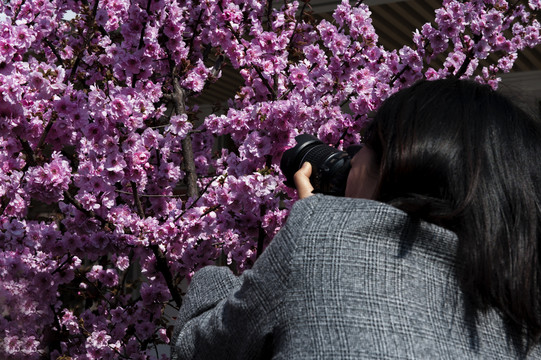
(330, 167)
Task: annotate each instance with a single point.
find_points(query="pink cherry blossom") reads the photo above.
(117, 181)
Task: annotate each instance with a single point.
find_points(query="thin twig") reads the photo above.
(97, 289)
(13, 21)
(257, 69)
(196, 24)
(297, 24)
(45, 132)
(70, 199)
(346, 100)
(265, 82)
(142, 37)
(209, 210)
(27, 149)
(149, 195)
(53, 49)
(86, 42)
(54, 342)
(195, 201)
(141, 41)
(69, 258)
(463, 68)
(397, 76)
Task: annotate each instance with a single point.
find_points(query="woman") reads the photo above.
(443, 262)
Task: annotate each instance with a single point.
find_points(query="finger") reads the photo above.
(302, 181)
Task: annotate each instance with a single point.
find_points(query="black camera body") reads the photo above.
(330, 167)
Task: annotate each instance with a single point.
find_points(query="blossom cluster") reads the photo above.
(116, 185)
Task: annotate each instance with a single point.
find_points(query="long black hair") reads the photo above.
(460, 155)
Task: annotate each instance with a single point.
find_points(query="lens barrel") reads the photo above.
(330, 167)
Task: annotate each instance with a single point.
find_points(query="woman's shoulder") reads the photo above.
(369, 220)
(335, 201)
(336, 208)
(322, 209)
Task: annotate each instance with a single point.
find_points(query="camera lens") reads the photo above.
(330, 167)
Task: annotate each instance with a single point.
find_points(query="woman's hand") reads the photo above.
(302, 181)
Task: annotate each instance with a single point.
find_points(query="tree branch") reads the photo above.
(46, 131)
(27, 149)
(13, 21)
(141, 41)
(463, 68)
(179, 102)
(269, 15)
(53, 49)
(265, 82)
(86, 42)
(163, 268)
(137, 200)
(196, 24)
(297, 24)
(59, 268)
(70, 199)
(209, 210)
(161, 261)
(259, 72)
(5, 203)
(261, 235)
(142, 37)
(397, 76)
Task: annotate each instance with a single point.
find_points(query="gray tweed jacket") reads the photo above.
(344, 279)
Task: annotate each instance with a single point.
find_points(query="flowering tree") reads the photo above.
(99, 124)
